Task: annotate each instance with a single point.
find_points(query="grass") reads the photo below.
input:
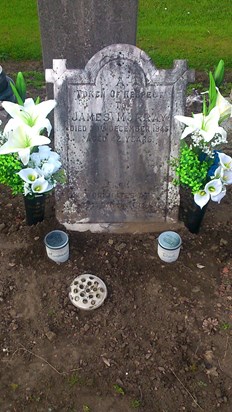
(74, 380)
(197, 30)
(19, 30)
(118, 389)
(34, 79)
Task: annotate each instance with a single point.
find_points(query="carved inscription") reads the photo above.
(125, 117)
(122, 124)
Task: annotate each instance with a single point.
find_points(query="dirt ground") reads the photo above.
(161, 342)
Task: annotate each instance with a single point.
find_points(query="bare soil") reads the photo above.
(161, 342)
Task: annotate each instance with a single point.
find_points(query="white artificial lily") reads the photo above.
(201, 198)
(225, 108)
(29, 175)
(218, 173)
(31, 114)
(220, 196)
(21, 141)
(212, 189)
(205, 126)
(40, 185)
(225, 161)
(224, 174)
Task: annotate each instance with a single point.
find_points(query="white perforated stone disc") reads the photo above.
(87, 292)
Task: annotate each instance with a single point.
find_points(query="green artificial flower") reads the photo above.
(9, 167)
(190, 170)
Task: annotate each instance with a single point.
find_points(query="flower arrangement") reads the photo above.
(27, 163)
(201, 166)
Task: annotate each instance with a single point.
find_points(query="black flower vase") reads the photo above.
(35, 208)
(190, 213)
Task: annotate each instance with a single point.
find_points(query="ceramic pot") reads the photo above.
(35, 209)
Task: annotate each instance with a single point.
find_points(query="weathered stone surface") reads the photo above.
(76, 29)
(115, 130)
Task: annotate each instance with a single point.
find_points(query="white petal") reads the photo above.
(41, 124)
(11, 125)
(40, 185)
(214, 187)
(213, 117)
(187, 131)
(7, 148)
(201, 198)
(27, 189)
(220, 196)
(54, 157)
(218, 173)
(24, 155)
(35, 158)
(207, 136)
(222, 131)
(29, 104)
(48, 169)
(45, 150)
(44, 108)
(226, 176)
(223, 105)
(29, 175)
(225, 160)
(194, 122)
(13, 109)
(39, 140)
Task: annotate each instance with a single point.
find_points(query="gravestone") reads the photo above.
(116, 133)
(77, 29)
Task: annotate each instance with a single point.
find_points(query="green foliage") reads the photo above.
(60, 176)
(215, 80)
(30, 78)
(16, 93)
(219, 73)
(19, 89)
(119, 389)
(190, 171)
(75, 379)
(135, 404)
(9, 166)
(34, 79)
(212, 93)
(225, 326)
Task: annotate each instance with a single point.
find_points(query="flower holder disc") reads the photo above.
(87, 292)
(35, 209)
